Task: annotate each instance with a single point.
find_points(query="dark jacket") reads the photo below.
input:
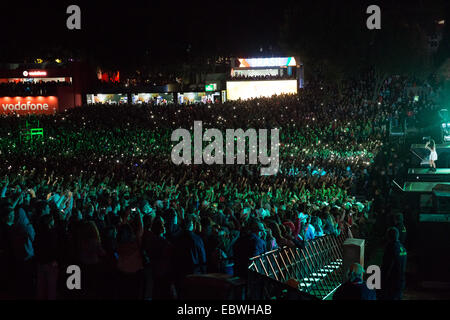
(46, 246)
(393, 270)
(246, 247)
(190, 256)
(159, 252)
(23, 237)
(6, 256)
(354, 291)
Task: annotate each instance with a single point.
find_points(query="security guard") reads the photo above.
(399, 224)
(393, 267)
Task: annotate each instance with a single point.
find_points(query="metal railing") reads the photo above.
(317, 267)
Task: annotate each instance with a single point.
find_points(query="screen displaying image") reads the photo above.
(254, 89)
(155, 98)
(198, 97)
(107, 98)
(191, 97)
(255, 72)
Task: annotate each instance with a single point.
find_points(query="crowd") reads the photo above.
(100, 191)
(40, 88)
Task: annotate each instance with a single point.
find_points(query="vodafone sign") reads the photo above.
(38, 73)
(28, 105)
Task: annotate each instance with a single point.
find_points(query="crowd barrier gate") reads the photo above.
(317, 268)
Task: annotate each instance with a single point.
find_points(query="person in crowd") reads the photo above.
(310, 231)
(23, 252)
(130, 262)
(280, 239)
(190, 255)
(46, 253)
(355, 288)
(160, 253)
(87, 253)
(330, 227)
(6, 250)
(271, 242)
(250, 244)
(316, 222)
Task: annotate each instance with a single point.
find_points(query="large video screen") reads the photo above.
(198, 97)
(156, 98)
(107, 98)
(267, 62)
(254, 72)
(191, 97)
(254, 89)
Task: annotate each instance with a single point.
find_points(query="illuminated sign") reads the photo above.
(211, 87)
(254, 89)
(28, 105)
(37, 73)
(107, 98)
(267, 62)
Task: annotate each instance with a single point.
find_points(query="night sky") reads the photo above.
(161, 31)
(123, 27)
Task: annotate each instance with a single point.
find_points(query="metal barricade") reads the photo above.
(317, 267)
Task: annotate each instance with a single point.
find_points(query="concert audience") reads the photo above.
(39, 88)
(100, 191)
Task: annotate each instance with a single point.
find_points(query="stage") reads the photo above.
(421, 187)
(428, 193)
(440, 146)
(420, 155)
(426, 171)
(424, 174)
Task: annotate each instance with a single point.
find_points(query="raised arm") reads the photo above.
(4, 189)
(18, 200)
(140, 225)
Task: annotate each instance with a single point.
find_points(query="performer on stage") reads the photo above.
(433, 155)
